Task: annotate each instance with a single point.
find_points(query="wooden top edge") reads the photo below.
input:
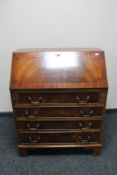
(14, 87)
(57, 49)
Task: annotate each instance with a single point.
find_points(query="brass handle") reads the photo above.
(88, 125)
(34, 102)
(28, 115)
(86, 115)
(32, 128)
(83, 101)
(84, 140)
(34, 141)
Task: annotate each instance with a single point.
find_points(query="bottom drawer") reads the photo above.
(59, 137)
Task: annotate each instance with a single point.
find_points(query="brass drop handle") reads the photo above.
(34, 140)
(32, 128)
(84, 140)
(83, 114)
(28, 115)
(83, 127)
(83, 101)
(34, 102)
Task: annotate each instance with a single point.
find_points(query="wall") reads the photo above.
(57, 23)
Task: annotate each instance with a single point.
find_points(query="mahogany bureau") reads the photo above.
(59, 98)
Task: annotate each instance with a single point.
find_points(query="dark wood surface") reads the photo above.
(59, 112)
(63, 124)
(59, 98)
(76, 68)
(57, 137)
(78, 97)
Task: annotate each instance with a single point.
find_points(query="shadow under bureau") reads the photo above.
(59, 98)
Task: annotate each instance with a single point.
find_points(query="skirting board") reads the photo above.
(3, 114)
(111, 110)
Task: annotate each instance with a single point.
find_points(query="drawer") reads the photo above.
(64, 137)
(80, 97)
(37, 125)
(59, 112)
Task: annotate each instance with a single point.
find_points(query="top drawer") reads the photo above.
(80, 97)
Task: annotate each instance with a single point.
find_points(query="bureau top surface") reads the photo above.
(58, 69)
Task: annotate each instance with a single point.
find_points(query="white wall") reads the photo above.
(57, 23)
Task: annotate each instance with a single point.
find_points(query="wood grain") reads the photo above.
(58, 69)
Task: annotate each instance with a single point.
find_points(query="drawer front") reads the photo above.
(41, 98)
(59, 112)
(36, 125)
(36, 138)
